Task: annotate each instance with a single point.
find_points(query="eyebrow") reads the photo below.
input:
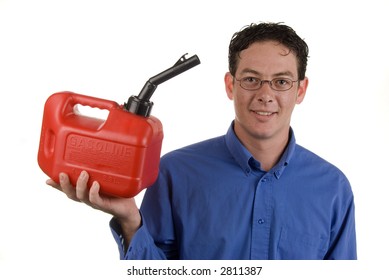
(279, 74)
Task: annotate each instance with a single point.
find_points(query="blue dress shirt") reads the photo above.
(212, 200)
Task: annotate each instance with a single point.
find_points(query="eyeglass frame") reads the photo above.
(270, 82)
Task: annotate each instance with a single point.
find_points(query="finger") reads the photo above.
(94, 196)
(82, 192)
(114, 206)
(67, 187)
(53, 184)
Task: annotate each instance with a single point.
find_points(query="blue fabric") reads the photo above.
(213, 201)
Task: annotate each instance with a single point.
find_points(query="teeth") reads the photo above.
(263, 113)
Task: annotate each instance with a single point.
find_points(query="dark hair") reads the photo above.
(268, 32)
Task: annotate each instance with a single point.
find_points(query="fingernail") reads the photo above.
(61, 177)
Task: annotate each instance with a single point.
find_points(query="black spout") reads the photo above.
(141, 104)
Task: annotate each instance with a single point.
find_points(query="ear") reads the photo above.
(302, 89)
(229, 85)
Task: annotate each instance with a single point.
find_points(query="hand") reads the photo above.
(123, 209)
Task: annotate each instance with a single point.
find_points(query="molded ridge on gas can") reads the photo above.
(122, 152)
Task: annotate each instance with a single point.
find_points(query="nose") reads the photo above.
(265, 93)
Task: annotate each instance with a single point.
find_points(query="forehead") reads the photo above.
(268, 57)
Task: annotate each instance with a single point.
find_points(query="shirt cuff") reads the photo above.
(117, 235)
(141, 247)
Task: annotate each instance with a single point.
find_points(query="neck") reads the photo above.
(265, 150)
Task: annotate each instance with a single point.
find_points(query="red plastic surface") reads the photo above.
(122, 152)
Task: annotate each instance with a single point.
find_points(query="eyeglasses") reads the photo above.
(278, 84)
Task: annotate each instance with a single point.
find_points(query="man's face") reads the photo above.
(264, 113)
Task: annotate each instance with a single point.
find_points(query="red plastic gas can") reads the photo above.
(122, 152)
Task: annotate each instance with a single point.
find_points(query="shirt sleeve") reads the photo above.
(343, 236)
(142, 246)
(155, 239)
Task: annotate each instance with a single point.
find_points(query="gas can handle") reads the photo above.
(94, 102)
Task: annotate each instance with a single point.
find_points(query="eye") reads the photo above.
(250, 80)
(250, 83)
(282, 83)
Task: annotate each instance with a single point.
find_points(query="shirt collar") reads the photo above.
(247, 162)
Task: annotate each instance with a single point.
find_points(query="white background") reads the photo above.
(109, 49)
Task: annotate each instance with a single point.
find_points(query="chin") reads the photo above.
(263, 135)
(262, 131)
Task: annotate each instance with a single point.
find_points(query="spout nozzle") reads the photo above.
(140, 104)
(182, 65)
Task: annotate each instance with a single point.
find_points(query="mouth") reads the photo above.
(263, 116)
(263, 113)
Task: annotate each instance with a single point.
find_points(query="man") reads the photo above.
(250, 194)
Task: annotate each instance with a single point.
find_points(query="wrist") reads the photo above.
(129, 226)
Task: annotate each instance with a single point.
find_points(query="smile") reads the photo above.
(261, 113)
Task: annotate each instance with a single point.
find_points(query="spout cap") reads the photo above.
(139, 107)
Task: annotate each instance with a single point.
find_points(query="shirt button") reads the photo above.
(261, 221)
(264, 180)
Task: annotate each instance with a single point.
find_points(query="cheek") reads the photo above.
(288, 100)
(287, 106)
(240, 101)
(242, 106)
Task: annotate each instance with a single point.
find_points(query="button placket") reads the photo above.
(261, 226)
